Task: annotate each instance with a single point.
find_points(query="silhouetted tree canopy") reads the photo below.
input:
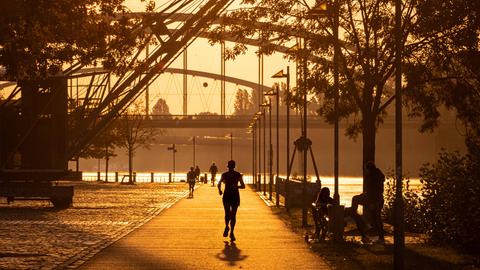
(243, 103)
(448, 71)
(132, 134)
(38, 37)
(161, 107)
(366, 62)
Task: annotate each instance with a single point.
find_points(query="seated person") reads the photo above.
(320, 212)
(372, 201)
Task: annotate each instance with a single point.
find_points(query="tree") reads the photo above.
(243, 103)
(103, 146)
(37, 38)
(133, 134)
(366, 60)
(448, 72)
(161, 108)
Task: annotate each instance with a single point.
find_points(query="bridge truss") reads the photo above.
(46, 128)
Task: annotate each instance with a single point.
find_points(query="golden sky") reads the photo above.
(204, 57)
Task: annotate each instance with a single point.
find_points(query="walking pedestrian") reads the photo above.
(191, 182)
(231, 197)
(213, 170)
(197, 173)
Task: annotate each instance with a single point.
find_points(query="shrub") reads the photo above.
(451, 199)
(413, 217)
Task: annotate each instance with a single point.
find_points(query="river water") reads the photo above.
(347, 186)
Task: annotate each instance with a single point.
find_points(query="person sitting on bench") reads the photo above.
(320, 212)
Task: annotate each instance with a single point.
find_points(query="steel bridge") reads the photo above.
(48, 122)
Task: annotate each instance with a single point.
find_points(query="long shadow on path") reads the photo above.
(231, 253)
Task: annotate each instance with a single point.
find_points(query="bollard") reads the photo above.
(336, 215)
(169, 177)
(134, 177)
(151, 177)
(205, 180)
(116, 177)
(277, 196)
(287, 194)
(259, 182)
(98, 176)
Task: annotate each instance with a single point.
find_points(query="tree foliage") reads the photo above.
(451, 199)
(103, 145)
(161, 107)
(243, 103)
(133, 134)
(38, 37)
(447, 71)
(366, 61)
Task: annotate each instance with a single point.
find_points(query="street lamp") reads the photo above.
(253, 128)
(280, 74)
(254, 136)
(194, 161)
(399, 226)
(321, 9)
(276, 93)
(268, 105)
(259, 179)
(231, 146)
(174, 150)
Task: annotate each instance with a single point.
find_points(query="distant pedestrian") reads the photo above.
(191, 181)
(213, 170)
(197, 173)
(231, 197)
(372, 201)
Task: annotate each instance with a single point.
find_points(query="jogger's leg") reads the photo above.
(233, 221)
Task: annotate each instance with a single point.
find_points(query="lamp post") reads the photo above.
(255, 141)
(264, 153)
(259, 167)
(194, 161)
(399, 229)
(174, 150)
(321, 9)
(252, 128)
(280, 74)
(268, 105)
(231, 146)
(276, 93)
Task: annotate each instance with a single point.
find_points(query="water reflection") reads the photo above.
(348, 186)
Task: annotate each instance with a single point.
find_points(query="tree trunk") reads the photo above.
(130, 165)
(107, 158)
(368, 139)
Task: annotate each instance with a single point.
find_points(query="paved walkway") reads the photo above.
(189, 236)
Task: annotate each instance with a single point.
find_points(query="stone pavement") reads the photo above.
(188, 235)
(33, 235)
